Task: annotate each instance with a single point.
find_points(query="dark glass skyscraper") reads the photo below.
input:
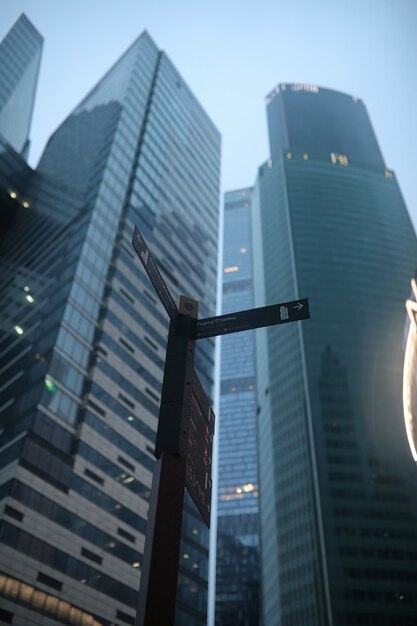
(20, 55)
(84, 341)
(237, 575)
(337, 483)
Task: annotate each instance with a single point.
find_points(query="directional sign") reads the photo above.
(185, 435)
(200, 400)
(154, 274)
(253, 318)
(199, 426)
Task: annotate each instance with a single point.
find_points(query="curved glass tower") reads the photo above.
(337, 483)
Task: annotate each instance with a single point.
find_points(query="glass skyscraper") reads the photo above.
(20, 55)
(83, 343)
(338, 506)
(237, 573)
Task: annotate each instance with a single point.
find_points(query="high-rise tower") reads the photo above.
(237, 572)
(20, 55)
(337, 483)
(82, 381)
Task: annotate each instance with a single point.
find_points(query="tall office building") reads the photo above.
(20, 55)
(84, 339)
(337, 483)
(237, 570)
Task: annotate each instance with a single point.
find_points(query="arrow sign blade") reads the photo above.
(154, 274)
(253, 318)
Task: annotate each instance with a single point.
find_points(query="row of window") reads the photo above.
(392, 514)
(124, 350)
(110, 505)
(43, 552)
(75, 524)
(378, 553)
(386, 597)
(61, 405)
(119, 409)
(116, 472)
(51, 606)
(73, 347)
(382, 574)
(74, 318)
(151, 405)
(377, 619)
(133, 313)
(44, 463)
(116, 439)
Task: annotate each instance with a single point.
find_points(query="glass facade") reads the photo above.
(20, 55)
(82, 385)
(237, 575)
(337, 483)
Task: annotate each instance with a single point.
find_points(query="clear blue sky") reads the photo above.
(232, 53)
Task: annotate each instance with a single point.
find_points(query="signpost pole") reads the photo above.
(158, 585)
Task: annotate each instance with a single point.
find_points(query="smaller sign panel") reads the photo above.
(188, 306)
(154, 274)
(199, 424)
(252, 318)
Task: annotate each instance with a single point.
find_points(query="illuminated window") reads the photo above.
(38, 599)
(304, 87)
(230, 269)
(49, 384)
(339, 158)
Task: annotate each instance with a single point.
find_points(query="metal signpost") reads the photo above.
(184, 439)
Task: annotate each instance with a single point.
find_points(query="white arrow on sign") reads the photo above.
(298, 306)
